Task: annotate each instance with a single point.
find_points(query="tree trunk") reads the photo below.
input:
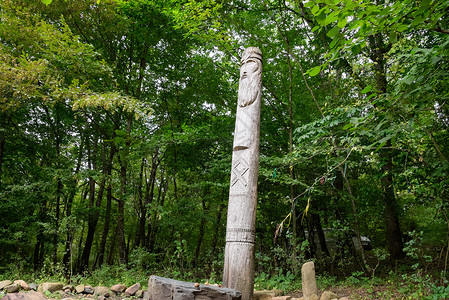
(320, 233)
(108, 171)
(59, 185)
(94, 213)
(392, 226)
(201, 235)
(216, 228)
(121, 201)
(393, 231)
(153, 226)
(142, 209)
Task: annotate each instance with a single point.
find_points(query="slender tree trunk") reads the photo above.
(5, 119)
(121, 201)
(106, 226)
(393, 231)
(94, 213)
(121, 213)
(320, 233)
(110, 260)
(392, 226)
(70, 230)
(163, 187)
(59, 185)
(142, 212)
(2, 151)
(107, 219)
(216, 228)
(201, 234)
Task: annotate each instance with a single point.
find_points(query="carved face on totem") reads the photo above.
(250, 77)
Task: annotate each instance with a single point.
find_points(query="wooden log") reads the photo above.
(238, 270)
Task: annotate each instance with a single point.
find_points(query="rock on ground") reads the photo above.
(31, 295)
(326, 295)
(267, 294)
(118, 288)
(22, 284)
(12, 288)
(4, 283)
(50, 286)
(132, 290)
(101, 291)
(79, 288)
(88, 290)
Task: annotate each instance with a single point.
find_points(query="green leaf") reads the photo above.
(356, 49)
(393, 37)
(333, 43)
(347, 126)
(321, 17)
(315, 9)
(331, 33)
(46, 2)
(314, 71)
(371, 96)
(332, 17)
(366, 89)
(309, 4)
(342, 23)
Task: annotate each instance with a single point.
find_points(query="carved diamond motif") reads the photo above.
(239, 171)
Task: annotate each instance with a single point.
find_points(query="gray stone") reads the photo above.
(88, 290)
(33, 286)
(22, 284)
(139, 294)
(308, 280)
(282, 298)
(118, 288)
(160, 288)
(69, 287)
(146, 295)
(326, 295)
(101, 291)
(101, 297)
(31, 295)
(344, 298)
(12, 288)
(5, 283)
(50, 286)
(79, 289)
(267, 294)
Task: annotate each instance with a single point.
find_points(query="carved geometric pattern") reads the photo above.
(239, 170)
(240, 235)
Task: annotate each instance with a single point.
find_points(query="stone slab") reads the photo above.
(160, 288)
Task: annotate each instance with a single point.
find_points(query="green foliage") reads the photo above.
(285, 281)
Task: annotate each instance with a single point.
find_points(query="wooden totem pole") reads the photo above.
(240, 231)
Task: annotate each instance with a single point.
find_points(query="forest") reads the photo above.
(116, 131)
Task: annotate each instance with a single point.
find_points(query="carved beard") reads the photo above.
(248, 90)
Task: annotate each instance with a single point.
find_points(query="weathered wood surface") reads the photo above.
(160, 288)
(238, 270)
